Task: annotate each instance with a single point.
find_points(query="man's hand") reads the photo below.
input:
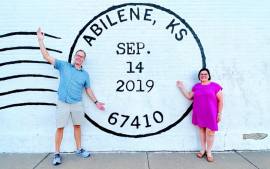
(40, 35)
(43, 49)
(100, 105)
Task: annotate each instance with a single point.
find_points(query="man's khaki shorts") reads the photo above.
(64, 110)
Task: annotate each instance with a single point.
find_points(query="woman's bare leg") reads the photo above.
(209, 139)
(203, 138)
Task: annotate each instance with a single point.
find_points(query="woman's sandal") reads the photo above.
(210, 158)
(201, 154)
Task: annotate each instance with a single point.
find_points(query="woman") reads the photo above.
(207, 107)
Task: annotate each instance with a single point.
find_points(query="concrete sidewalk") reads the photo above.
(140, 160)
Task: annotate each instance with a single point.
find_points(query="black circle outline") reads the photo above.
(160, 8)
(140, 4)
(139, 135)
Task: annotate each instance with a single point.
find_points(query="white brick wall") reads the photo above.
(235, 38)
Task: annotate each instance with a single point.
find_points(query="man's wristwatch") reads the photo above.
(96, 102)
(220, 114)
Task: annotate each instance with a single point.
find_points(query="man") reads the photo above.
(72, 80)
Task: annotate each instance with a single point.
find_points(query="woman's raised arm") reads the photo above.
(186, 94)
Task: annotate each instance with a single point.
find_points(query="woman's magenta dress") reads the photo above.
(205, 107)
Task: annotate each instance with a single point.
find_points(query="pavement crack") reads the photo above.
(42, 160)
(147, 159)
(246, 159)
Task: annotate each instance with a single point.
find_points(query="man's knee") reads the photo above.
(77, 126)
(60, 130)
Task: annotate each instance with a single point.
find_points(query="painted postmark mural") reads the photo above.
(136, 81)
(135, 54)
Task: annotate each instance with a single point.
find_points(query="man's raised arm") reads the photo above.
(42, 47)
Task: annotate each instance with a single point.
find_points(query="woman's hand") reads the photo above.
(186, 94)
(179, 84)
(218, 118)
